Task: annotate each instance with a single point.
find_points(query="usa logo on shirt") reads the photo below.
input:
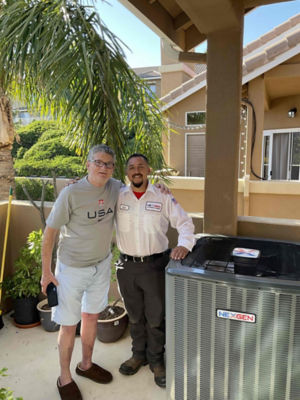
(101, 202)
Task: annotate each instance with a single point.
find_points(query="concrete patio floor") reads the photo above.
(31, 357)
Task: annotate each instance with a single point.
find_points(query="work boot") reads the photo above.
(159, 374)
(131, 366)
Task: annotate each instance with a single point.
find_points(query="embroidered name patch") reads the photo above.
(153, 206)
(124, 207)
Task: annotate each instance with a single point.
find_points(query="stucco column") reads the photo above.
(224, 74)
(256, 94)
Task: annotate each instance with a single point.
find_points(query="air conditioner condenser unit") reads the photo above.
(232, 336)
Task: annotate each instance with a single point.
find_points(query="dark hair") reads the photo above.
(137, 155)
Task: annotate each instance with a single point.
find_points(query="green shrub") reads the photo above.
(6, 394)
(69, 167)
(20, 153)
(34, 188)
(46, 150)
(25, 281)
(52, 133)
(29, 135)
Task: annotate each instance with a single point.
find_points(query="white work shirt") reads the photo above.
(142, 223)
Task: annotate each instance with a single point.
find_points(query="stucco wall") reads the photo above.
(271, 199)
(277, 116)
(176, 116)
(24, 218)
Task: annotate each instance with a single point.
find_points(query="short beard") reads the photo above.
(137, 185)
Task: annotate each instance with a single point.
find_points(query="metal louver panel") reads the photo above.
(210, 358)
(196, 154)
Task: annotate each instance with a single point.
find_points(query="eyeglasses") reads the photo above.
(99, 163)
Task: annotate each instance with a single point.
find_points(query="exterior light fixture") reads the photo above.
(292, 112)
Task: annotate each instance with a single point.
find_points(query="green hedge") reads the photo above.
(29, 135)
(69, 167)
(49, 149)
(34, 187)
(43, 149)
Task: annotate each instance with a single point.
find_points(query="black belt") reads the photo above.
(151, 258)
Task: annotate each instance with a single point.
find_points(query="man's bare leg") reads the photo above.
(66, 338)
(88, 336)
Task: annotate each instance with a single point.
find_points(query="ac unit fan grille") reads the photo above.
(210, 358)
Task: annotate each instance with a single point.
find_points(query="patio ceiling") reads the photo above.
(186, 23)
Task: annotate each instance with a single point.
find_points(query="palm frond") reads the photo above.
(58, 56)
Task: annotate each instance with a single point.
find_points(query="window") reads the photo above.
(195, 154)
(195, 118)
(151, 88)
(281, 155)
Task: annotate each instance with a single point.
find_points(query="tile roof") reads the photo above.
(259, 56)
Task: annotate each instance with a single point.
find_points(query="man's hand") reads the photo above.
(179, 253)
(163, 188)
(71, 181)
(46, 279)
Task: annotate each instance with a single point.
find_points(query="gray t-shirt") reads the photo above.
(85, 215)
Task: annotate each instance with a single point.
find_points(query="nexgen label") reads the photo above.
(236, 316)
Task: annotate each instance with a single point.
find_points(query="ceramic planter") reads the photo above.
(45, 316)
(110, 330)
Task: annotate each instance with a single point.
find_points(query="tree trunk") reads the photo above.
(7, 174)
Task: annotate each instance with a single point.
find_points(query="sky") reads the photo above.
(144, 44)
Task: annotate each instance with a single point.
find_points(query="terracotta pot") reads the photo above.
(110, 330)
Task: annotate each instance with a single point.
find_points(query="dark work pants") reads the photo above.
(142, 286)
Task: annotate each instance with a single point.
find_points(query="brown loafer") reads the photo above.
(95, 373)
(159, 374)
(69, 391)
(131, 366)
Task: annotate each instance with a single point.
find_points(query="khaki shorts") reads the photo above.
(81, 290)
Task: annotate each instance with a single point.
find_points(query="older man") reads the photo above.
(84, 215)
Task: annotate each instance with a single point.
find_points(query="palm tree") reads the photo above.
(58, 57)
(6, 139)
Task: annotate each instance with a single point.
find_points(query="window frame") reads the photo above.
(196, 125)
(271, 133)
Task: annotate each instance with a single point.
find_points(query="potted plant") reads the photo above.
(45, 316)
(24, 285)
(112, 322)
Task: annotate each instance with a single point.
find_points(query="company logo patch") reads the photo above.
(236, 316)
(153, 206)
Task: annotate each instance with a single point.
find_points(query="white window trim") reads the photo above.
(185, 147)
(271, 132)
(198, 125)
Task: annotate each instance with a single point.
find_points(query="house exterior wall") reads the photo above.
(24, 219)
(274, 116)
(171, 80)
(277, 116)
(271, 199)
(176, 116)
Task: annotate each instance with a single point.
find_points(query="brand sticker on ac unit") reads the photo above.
(236, 316)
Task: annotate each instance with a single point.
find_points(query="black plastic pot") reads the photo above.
(26, 312)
